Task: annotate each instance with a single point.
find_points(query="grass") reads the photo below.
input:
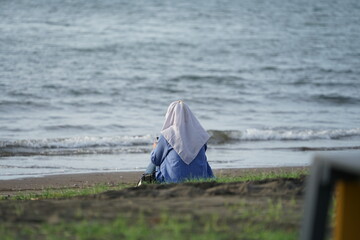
(162, 228)
(265, 175)
(64, 193)
(247, 221)
(255, 176)
(72, 192)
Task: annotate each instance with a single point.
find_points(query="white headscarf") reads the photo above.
(183, 131)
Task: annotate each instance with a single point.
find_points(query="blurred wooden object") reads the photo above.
(347, 223)
(327, 172)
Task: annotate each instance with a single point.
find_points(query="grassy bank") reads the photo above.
(99, 188)
(63, 193)
(264, 205)
(163, 227)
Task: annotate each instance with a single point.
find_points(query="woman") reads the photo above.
(179, 153)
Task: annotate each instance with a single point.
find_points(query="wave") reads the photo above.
(55, 168)
(72, 152)
(76, 146)
(223, 79)
(110, 48)
(88, 145)
(84, 91)
(23, 104)
(84, 127)
(25, 95)
(73, 91)
(78, 142)
(306, 149)
(85, 145)
(303, 81)
(335, 99)
(221, 137)
(295, 149)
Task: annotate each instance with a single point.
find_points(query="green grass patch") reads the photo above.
(163, 227)
(255, 176)
(264, 176)
(64, 193)
(248, 220)
(73, 192)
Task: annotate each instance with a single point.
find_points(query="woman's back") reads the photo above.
(173, 169)
(179, 153)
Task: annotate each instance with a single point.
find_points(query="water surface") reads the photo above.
(85, 84)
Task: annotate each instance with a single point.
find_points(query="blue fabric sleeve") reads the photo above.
(150, 168)
(159, 153)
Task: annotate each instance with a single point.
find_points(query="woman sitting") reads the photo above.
(179, 153)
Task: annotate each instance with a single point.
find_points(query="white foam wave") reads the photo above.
(78, 142)
(307, 134)
(254, 134)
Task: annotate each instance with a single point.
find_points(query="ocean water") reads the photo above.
(84, 85)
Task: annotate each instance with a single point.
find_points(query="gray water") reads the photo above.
(85, 84)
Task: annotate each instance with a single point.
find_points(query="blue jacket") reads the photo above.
(171, 168)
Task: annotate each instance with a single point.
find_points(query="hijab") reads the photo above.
(183, 131)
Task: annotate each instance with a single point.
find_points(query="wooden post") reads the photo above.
(347, 222)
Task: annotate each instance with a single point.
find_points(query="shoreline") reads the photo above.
(83, 180)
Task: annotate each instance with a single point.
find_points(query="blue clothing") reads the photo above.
(151, 168)
(171, 168)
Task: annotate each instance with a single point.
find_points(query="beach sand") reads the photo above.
(274, 204)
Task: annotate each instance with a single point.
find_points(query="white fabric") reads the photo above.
(183, 131)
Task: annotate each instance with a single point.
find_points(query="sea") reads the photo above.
(85, 84)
